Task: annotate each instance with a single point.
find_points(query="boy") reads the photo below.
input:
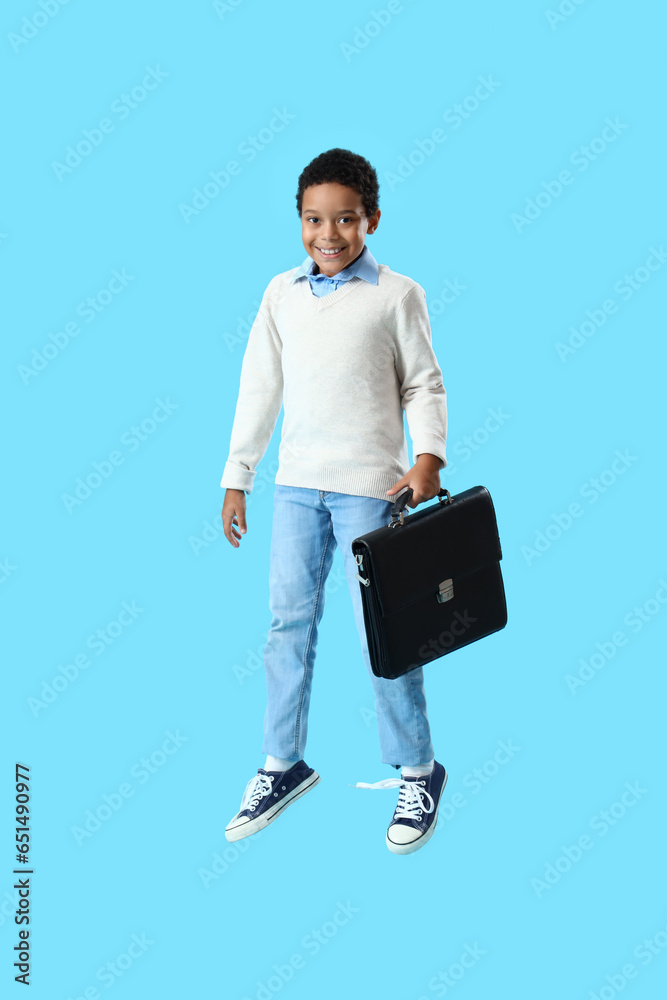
(345, 344)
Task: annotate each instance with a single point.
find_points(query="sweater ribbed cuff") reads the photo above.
(430, 446)
(237, 477)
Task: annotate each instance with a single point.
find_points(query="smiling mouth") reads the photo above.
(332, 252)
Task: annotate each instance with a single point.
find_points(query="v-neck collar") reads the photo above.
(322, 301)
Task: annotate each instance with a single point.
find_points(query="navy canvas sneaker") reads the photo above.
(267, 795)
(415, 817)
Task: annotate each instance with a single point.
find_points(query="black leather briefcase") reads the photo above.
(430, 582)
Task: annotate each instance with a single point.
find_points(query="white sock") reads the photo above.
(278, 764)
(418, 771)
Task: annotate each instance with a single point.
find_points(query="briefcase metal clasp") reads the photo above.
(445, 591)
(396, 519)
(359, 559)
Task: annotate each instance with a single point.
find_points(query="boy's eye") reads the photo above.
(314, 218)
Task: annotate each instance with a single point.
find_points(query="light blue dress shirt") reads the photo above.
(365, 266)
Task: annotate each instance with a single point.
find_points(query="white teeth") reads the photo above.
(330, 252)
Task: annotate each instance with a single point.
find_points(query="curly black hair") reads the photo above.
(342, 166)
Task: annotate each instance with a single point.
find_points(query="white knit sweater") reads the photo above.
(344, 366)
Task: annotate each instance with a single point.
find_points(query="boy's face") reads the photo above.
(333, 217)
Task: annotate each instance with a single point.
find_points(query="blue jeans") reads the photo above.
(307, 526)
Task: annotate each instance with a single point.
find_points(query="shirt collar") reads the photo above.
(365, 267)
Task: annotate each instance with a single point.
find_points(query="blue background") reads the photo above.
(225, 921)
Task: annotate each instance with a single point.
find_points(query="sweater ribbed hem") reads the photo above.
(338, 479)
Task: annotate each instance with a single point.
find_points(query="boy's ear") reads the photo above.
(373, 221)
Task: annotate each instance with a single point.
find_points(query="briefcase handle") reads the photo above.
(401, 502)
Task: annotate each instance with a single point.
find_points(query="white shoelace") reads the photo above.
(256, 789)
(412, 798)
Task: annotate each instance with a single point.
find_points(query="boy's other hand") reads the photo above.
(423, 479)
(233, 516)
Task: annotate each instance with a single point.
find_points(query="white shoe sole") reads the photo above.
(233, 833)
(416, 844)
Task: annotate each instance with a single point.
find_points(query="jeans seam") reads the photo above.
(309, 636)
(414, 717)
